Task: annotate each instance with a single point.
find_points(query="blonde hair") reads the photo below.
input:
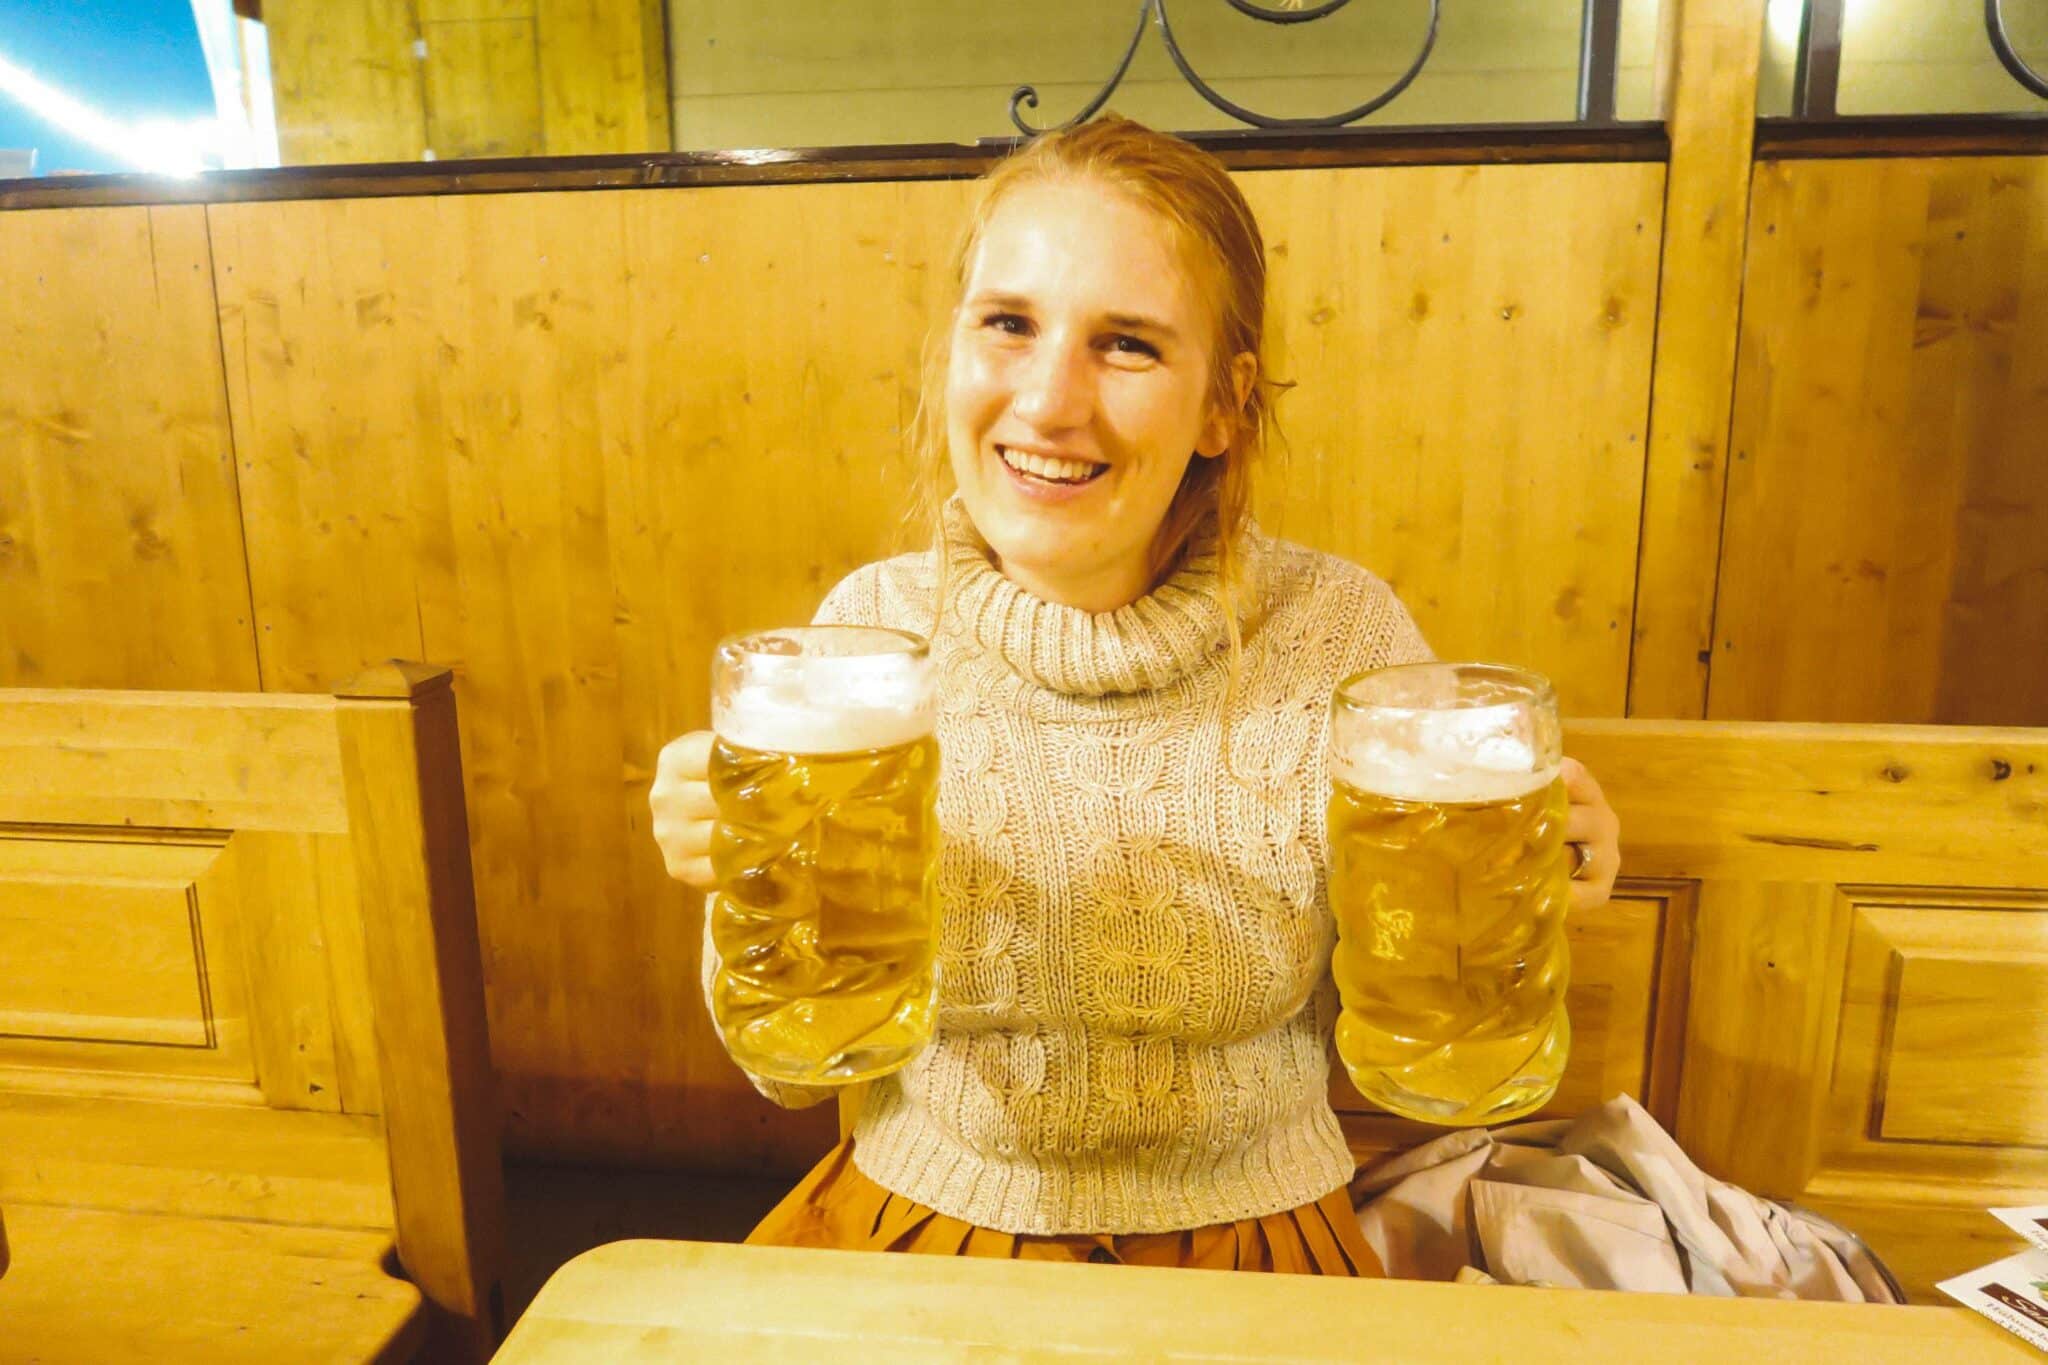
(1214, 228)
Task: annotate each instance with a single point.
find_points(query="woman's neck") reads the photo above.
(1096, 594)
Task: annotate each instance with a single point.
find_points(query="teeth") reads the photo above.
(1059, 471)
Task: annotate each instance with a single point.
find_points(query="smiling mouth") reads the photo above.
(1065, 473)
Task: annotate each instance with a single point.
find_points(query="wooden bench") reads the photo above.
(246, 1104)
(1825, 972)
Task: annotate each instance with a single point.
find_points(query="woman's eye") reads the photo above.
(1130, 345)
(1013, 323)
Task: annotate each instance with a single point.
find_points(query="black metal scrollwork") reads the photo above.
(2001, 43)
(1154, 11)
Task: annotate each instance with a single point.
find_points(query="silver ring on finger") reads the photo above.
(1582, 859)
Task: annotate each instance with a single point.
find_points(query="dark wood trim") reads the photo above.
(1249, 150)
(1786, 139)
(1818, 75)
(1599, 47)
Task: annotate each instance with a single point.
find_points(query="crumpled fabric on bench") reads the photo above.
(1604, 1201)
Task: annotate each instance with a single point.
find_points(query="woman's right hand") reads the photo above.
(684, 812)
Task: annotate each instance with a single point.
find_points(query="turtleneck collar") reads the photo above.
(1151, 643)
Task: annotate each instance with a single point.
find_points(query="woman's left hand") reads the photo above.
(1591, 822)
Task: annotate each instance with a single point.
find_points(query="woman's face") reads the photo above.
(1077, 390)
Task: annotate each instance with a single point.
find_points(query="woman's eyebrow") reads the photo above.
(1127, 322)
(1138, 322)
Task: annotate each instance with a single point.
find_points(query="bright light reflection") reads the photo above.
(161, 146)
(1783, 16)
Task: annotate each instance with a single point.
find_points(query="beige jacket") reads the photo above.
(1603, 1201)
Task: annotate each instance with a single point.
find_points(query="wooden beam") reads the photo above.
(1712, 120)
(403, 766)
(1818, 76)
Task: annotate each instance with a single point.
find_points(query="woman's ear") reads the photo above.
(1220, 426)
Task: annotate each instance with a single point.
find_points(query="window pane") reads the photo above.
(1913, 57)
(821, 72)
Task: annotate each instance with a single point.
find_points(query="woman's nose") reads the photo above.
(1057, 388)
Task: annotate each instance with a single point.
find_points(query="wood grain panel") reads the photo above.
(648, 1302)
(483, 88)
(298, 1026)
(1945, 1027)
(124, 965)
(193, 1160)
(170, 760)
(559, 390)
(107, 942)
(1888, 506)
(120, 545)
(202, 1290)
(1716, 46)
(1434, 436)
(1910, 804)
(442, 1122)
(345, 80)
(1765, 1000)
(602, 65)
(1969, 1049)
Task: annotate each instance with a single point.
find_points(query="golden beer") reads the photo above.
(825, 771)
(1449, 886)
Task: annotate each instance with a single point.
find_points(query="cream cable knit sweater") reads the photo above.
(1136, 1007)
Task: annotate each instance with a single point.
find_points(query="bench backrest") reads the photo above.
(242, 976)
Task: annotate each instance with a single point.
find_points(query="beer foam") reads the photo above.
(823, 690)
(756, 720)
(1464, 756)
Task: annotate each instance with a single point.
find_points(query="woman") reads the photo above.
(1136, 1009)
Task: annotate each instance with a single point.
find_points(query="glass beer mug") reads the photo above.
(825, 770)
(1449, 883)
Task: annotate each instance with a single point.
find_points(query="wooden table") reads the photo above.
(684, 1301)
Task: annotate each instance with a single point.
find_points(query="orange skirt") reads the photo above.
(836, 1206)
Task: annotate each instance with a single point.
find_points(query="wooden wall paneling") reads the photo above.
(520, 490)
(346, 81)
(1988, 277)
(333, 418)
(120, 547)
(483, 88)
(602, 64)
(1711, 120)
(778, 411)
(457, 515)
(1438, 434)
(1888, 507)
